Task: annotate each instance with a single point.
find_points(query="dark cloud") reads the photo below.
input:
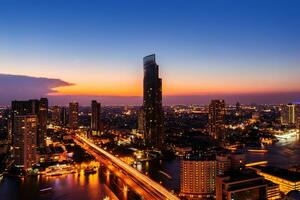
(26, 87)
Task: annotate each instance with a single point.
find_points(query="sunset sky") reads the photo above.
(203, 47)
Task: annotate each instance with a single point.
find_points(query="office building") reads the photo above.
(152, 104)
(55, 115)
(287, 113)
(42, 121)
(141, 121)
(64, 116)
(240, 186)
(24, 140)
(73, 115)
(96, 117)
(216, 118)
(33, 107)
(197, 177)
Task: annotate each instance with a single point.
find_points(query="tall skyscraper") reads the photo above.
(73, 115)
(42, 121)
(216, 118)
(96, 116)
(152, 104)
(25, 140)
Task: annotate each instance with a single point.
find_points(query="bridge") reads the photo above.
(138, 182)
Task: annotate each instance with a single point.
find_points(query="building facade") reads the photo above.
(240, 186)
(197, 178)
(152, 104)
(73, 115)
(42, 121)
(216, 117)
(96, 117)
(25, 140)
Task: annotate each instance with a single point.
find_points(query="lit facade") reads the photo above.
(96, 117)
(25, 140)
(197, 178)
(42, 121)
(287, 180)
(152, 104)
(240, 186)
(73, 115)
(216, 117)
(55, 115)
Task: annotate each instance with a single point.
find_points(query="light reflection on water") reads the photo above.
(285, 153)
(76, 186)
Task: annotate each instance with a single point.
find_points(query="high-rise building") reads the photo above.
(42, 121)
(152, 104)
(96, 117)
(141, 121)
(64, 116)
(197, 178)
(73, 115)
(241, 185)
(25, 140)
(33, 107)
(287, 113)
(216, 118)
(223, 164)
(25, 107)
(55, 115)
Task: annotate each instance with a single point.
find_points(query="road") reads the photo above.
(140, 183)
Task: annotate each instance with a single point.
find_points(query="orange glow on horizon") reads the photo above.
(169, 90)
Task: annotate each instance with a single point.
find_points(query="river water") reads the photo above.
(285, 153)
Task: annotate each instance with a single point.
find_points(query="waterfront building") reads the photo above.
(33, 107)
(241, 185)
(73, 115)
(96, 117)
(197, 177)
(216, 117)
(273, 191)
(286, 179)
(24, 140)
(287, 114)
(152, 104)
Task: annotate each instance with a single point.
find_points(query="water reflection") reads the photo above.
(76, 186)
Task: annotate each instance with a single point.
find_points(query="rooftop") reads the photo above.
(281, 173)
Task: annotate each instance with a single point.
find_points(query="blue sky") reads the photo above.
(202, 47)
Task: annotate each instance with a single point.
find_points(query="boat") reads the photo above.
(46, 189)
(258, 150)
(90, 170)
(287, 135)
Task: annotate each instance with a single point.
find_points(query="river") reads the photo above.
(285, 153)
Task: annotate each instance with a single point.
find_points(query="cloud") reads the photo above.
(26, 87)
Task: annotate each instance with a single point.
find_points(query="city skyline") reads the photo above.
(238, 52)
